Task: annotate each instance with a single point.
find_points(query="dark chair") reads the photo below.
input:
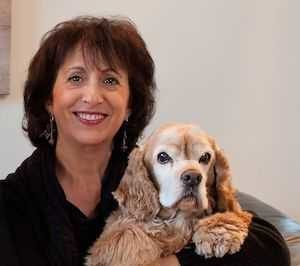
(288, 227)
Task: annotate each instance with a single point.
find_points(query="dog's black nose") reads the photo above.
(191, 178)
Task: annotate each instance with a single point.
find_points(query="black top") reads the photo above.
(39, 227)
(85, 230)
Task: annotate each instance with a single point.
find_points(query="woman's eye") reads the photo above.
(163, 158)
(205, 157)
(75, 79)
(111, 81)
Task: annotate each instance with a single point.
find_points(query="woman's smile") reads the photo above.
(90, 118)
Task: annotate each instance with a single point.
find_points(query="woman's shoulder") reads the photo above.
(21, 194)
(17, 187)
(31, 166)
(18, 225)
(12, 197)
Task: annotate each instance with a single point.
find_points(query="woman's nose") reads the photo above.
(93, 94)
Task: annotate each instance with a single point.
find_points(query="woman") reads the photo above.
(88, 96)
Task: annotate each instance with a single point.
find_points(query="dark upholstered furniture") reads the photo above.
(288, 227)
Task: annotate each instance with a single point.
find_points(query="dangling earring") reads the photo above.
(51, 140)
(49, 131)
(124, 141)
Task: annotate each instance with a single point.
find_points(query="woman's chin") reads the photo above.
(85, 139)
(93, 141)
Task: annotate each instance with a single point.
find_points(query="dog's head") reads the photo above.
(178, 167)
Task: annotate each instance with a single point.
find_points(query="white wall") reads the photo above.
(230, 66)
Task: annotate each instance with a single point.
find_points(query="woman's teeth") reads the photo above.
(90, 117)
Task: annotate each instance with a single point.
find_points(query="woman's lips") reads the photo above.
(90, 118)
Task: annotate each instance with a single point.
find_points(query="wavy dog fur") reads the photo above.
(158, 215)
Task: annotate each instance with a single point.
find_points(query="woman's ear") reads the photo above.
(225, 192)
(136, 193)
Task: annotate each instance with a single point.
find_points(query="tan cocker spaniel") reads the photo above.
(176, 189)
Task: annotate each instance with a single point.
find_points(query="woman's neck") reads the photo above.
(79, 170)
(81, 164)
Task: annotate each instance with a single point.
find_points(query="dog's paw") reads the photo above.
(221, 233)
(217, 242)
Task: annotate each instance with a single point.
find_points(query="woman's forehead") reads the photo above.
(82, 55)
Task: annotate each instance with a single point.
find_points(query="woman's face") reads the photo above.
(89, 104)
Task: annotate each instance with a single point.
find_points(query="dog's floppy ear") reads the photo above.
(225, 192)
(136, 193)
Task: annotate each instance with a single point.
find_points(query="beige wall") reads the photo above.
(230, 66)
(4, 44)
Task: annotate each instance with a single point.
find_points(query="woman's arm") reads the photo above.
(263, 246)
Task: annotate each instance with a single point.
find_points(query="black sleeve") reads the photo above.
(8, 255)
(264, 246)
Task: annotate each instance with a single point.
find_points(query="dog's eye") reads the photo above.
(163, 158)
(205, 157)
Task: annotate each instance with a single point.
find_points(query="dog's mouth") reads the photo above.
(188, 201)
(189, 193)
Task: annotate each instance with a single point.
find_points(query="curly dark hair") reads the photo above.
(114, 40)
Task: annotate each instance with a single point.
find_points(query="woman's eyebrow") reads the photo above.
(109, 69)
(77, 68)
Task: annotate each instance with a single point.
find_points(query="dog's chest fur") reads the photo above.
(172, 233)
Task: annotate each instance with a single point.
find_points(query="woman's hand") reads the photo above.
(166, 261)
